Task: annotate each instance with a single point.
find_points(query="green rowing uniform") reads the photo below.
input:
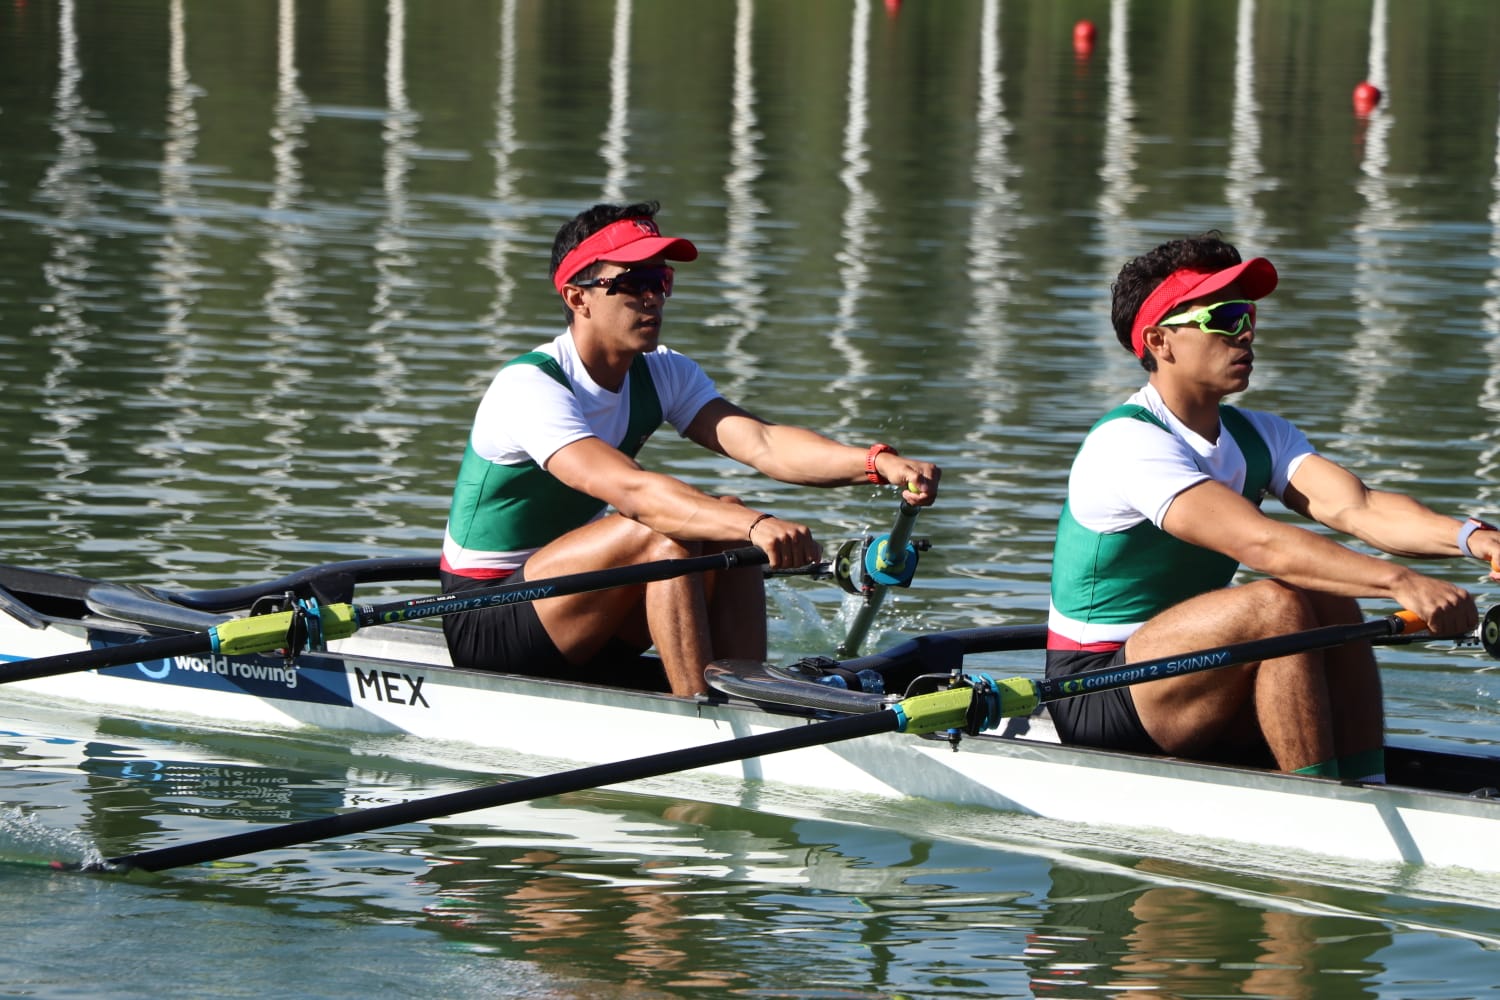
(522, 507)
(1114, 568)
(505, 504)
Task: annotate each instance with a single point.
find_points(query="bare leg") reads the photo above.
(737, 615)
(689, 619)
(1353, 681)
(696, 620)
(1218, 713)
(736, 608)
(677, 617)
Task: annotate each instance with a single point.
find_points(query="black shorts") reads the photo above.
(1105, 719)
(511, 639)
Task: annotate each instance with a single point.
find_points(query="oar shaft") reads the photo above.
(108, 656)
(1089, 681)
(511, 792)
(269, 632)
(536, 590)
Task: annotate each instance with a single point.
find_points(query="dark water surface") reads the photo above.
(259, 260)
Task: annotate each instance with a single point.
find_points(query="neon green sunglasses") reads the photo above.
(1228, 319)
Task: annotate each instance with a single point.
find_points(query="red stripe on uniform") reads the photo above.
(476, 573)
(1056, 641)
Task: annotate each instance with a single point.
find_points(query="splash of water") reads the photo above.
(25, 839)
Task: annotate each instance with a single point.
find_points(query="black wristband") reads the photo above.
(750, 530)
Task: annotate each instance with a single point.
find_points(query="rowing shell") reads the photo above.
(1439, 808)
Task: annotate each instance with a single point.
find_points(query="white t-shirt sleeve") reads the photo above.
(1288, 446)
(682, 385)
(525, 414)
(1128, 471)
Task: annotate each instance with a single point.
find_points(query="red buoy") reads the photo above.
(1083, 37)
(1366, 96)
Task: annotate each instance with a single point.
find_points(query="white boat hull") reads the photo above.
(396, 679)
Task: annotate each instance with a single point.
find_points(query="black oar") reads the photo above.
(265, 633)
(941, 653)
(1017, 696)
(940, 710)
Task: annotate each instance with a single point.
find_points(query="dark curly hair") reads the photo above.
(1139, 278)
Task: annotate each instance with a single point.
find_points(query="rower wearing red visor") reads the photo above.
(1163, 509)
(550, 483)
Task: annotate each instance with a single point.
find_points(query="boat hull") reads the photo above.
(397, 679)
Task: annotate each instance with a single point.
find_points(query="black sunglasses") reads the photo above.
(634, 283)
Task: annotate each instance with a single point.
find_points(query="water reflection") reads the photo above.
(399, 306)
(69, 188)
(1245, 173)
(1376, 356)
(287, 232)
(615, 138)
(740, 263)
(996, 215)
(506, 244)
(857, 229)
(1121, 237)
(670, 893)
(179, 267)
(693, 896)
(1488, 471)
(1113, 933)
(179, 261)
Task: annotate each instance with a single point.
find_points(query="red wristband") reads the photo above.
(870, 473)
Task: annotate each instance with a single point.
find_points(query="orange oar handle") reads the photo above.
(1410, 622)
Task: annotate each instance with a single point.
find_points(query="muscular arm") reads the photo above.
(660, 502)
(1215, 517)
(672, 507)
(1392, 522)
(801, 456)
(790, 454)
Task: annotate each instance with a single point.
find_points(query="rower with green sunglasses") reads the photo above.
(1164, 507)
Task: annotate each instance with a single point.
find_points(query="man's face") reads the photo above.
(1211, 338)
(629, 299)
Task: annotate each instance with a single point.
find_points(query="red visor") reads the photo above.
(1257, 277)
(626, 241)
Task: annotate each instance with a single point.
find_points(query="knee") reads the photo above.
(1330, 609)
(655, 546)
(1282, 607)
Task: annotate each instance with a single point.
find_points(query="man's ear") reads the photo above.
(574, 298)
(1155, 340)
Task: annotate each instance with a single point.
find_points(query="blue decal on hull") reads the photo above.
(319, 680)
